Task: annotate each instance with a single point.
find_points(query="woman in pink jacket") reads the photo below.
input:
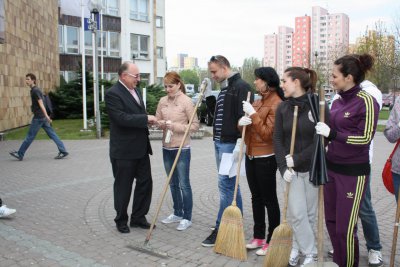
(173, 114)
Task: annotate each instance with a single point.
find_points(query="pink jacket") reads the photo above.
(178, 110)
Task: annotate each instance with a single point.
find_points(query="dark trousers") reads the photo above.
(261, 177)
(342, 199)
(125, 171)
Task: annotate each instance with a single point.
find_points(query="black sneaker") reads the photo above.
(210, 241)
(16, 155)
(330, 253)
(61, 155)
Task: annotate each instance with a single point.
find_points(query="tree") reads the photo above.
(247, 71)
(381, 45)
(190, 77)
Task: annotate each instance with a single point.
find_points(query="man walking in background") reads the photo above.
(40, 120)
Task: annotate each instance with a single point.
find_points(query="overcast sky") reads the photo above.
(236, 28)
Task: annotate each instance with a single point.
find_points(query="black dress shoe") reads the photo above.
(141, 224)
(123, 228)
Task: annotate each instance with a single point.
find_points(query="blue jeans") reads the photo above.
(368, 220)
(226, 185)
(181, 190)
(34, 128)
(396, 184)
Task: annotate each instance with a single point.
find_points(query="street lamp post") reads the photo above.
(95, 7)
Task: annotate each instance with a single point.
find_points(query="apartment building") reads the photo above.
(301, 47)
(126, 33)
(284, 51)
(316, 41)
(27, 32)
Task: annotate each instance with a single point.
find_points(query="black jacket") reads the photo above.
(233, 108)
(305, 132)
(129, 134)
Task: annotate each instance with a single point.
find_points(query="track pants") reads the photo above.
(342, 198)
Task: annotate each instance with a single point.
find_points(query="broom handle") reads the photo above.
(148, 236)
(240, 159)
(292, 141)
(395, 232)
(321, 187)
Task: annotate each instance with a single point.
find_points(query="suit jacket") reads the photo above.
(129, 134)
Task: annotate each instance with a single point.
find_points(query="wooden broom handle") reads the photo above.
(395, 232)
(202, 90)
(292, 142)
(320, 234)
(240, 159)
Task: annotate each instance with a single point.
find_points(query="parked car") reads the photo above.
(205, 111)
(387, 100)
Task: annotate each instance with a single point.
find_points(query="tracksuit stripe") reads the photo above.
(369, 122)
(353, 220)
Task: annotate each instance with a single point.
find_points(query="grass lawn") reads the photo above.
(65, 129)
(384, 114)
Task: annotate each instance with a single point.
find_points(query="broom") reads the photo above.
(230, 239)
(280, 246)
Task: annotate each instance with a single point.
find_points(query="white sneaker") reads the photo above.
(183, 225)
(310, 258)
(172, 219)
(4, 211)
(294, 257)
(375, 258)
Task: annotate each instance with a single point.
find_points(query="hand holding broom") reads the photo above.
(281, 242)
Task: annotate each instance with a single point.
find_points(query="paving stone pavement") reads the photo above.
(65, 209)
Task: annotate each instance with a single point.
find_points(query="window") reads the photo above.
(88, 43)
(105, 44)
(114, 44)
(160, 52)
(159, 22)
(60, 39)
(111, 7)
(2, 22)
(72, 42)
(139, 46)
(139, 10)
(144, 79)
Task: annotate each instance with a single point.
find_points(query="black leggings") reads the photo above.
(261, 177)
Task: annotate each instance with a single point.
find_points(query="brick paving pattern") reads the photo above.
(65, 209)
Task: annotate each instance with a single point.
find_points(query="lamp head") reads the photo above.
(95, 6)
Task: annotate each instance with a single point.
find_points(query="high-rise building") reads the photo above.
(316, 42)
(190, 63)
(183, 61)
(127, 34)
(284, 51)
(329, 35)
(271, 50)
(302, 42)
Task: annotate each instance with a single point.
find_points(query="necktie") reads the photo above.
(135, 96)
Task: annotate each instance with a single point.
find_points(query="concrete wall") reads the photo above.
(30, 46)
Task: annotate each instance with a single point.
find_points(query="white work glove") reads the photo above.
(288, 175)
(248, 108)
(289, 161)
(398, 124)
(244, 121)
(322, 129)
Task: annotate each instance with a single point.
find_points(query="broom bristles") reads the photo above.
(230, 239)
(280, 246)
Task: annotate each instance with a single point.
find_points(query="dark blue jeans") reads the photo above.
(181, 190)
(368, 220)
(34, 128)
(226, 185)
(396, 184)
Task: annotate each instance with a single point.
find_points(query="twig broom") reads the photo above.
(230, 239)
(281, 241)
(395, 232)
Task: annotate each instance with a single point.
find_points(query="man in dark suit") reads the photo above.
(129, 148)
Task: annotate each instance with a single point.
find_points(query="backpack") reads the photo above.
(48, 105)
